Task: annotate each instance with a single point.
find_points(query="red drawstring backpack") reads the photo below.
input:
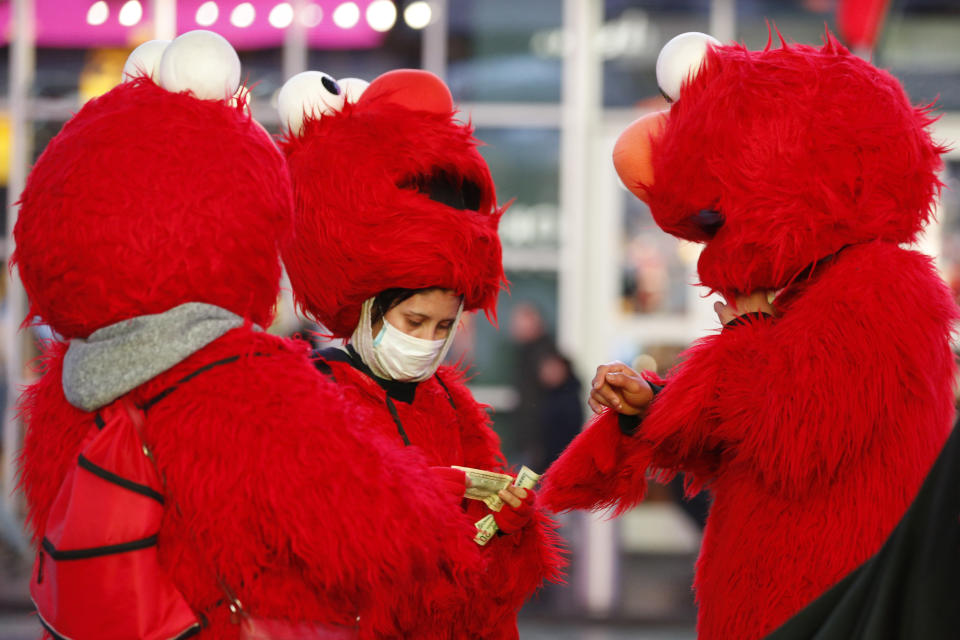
(97, 575)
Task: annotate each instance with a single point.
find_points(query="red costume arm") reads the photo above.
(518, 563)
(879, 311)
(735, 394)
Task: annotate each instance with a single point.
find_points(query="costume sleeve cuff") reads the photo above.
(630, 424)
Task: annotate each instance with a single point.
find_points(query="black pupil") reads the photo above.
(331, 85)
(708, 221)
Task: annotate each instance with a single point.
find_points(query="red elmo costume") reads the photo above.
(149, 202)
(802, 171)
(391, 192)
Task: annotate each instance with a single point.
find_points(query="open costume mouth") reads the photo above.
(445, 187)
(809, 273)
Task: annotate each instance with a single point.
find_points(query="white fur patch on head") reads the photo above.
(310, 93)
(353, 88)
(202, 62)
(681, 58)
(144, 60)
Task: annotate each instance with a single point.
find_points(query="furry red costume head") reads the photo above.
(187, 239)
(779, 158)
(390, 192)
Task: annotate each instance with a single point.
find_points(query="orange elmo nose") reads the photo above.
(632, 156)
(412, 88)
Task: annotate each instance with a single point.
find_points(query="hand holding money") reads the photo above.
(518, 515)
(513, 518)
(486, 485)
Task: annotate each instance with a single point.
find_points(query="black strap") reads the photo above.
(396, 419)
(109, 476)
(190, 631)
(445, 388)
(93, 552)
(349, 357)
(324, 367)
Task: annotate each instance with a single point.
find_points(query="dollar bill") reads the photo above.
(526, 478)
(494, 502)
(487, 526)
(486, 529)
(484, 484)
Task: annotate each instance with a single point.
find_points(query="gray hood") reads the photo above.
(122, 356)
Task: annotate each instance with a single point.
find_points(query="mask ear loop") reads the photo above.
(447, 343)
(362, 340)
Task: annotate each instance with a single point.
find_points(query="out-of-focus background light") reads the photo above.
(418, 14)
(311, 15)
(98, 13)
(347, 15)
(381, 15)
(243, 15)
(207, 14)
(281, 16)
(130, 13)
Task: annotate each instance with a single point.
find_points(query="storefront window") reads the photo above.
(504, 51)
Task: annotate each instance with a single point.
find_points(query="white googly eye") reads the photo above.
(202, 62)
(310, 93)
(144, 60)
(680, 59)
(352, 88)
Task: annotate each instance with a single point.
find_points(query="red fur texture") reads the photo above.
(148, 200)
(813, 429)
(363, 227)
(486, 605)
(152, 210)
(816, 137)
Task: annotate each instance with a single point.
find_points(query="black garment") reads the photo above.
(402, 391)
(530, 393)
(910, 590)
(561, 415)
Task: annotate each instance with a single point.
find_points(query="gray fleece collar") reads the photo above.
(120, 357)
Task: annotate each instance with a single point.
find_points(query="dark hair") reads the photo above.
(389, 298)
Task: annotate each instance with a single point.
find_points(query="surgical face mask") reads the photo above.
(394, 355)
(404, 357)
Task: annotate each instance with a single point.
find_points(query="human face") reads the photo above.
(428, 315)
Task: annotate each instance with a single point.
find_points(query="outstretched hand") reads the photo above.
(620, 388)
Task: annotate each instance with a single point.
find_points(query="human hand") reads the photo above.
(619, 387)
(517, 508)
(454, 481)
(756, 302)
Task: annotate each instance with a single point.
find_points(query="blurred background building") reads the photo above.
(548, 84)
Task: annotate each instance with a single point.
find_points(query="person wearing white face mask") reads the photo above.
(404, 334)
(395, 236)
(392, 363)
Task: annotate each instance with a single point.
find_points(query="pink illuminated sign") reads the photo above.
(247, 24)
